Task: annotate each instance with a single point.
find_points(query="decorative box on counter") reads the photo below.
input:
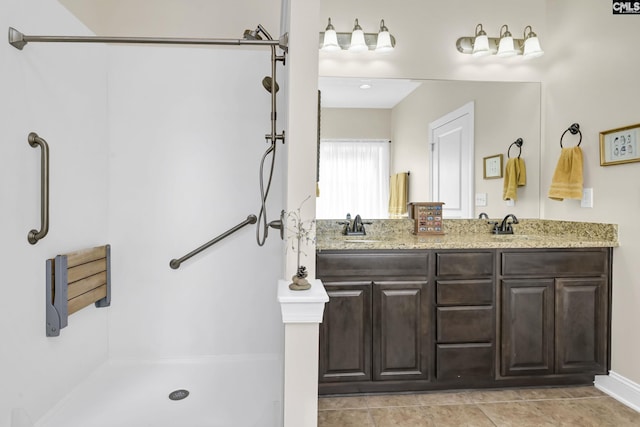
(427, 217)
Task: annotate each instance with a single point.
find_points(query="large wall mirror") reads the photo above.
(400, 111)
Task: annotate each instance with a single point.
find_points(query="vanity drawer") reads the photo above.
(462, 361)
(372, 265)
(464, 324)
(464, 292)
(464, 263)
(555, 263)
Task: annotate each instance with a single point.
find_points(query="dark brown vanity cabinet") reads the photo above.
(400, 330)
(375, 327)
(408, 320)
(465, 316)
(555, 311)
(345, 332)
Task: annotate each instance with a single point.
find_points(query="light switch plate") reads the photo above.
(481, 199)
(587, 198)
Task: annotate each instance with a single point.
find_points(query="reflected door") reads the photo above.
(451, 162)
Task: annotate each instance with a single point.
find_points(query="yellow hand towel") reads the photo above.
(398, 194)
(521, 171)
(567, 179)
(515, 175)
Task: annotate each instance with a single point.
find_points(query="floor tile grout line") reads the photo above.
(373, 421)
(488, 417)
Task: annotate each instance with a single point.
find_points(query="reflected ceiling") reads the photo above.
(347, 92)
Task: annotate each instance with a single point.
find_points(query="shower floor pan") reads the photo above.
(229, 392)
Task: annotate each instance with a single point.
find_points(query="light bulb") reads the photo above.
(330, 41)
(532, 47)
(384, 39)
(357, 39)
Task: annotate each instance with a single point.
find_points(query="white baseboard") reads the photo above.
(620, 388)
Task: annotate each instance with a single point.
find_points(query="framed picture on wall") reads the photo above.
(620, 145)
(492, 166)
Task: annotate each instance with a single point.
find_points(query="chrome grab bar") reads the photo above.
(35, 235)
(175, 263)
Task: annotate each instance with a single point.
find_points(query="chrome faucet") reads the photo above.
(505, 226)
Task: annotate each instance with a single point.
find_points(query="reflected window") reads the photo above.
(354, 178)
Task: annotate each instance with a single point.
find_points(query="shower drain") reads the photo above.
(178, 394)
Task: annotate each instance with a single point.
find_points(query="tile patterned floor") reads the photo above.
(539, 407)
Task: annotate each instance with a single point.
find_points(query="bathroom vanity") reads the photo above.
(465, 310)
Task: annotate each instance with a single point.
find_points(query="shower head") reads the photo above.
(267, 82)
(252, 34)
(255, 34)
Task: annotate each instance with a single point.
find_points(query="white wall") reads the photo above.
(59, 92)
(301, 119)
(593, 81)
(187, 130)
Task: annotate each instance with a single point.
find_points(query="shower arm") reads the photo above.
(19, 40)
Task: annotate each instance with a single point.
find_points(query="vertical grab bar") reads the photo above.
(35, 235)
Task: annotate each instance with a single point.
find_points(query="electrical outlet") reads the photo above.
(587, 198)
(481, 199)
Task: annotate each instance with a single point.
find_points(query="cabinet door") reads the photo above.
(345, 333)
(581, 336)
(527, 327)
(400, 330)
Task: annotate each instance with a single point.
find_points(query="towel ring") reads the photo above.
(518, 143)
(574, 128)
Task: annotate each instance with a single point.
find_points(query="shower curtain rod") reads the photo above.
(19, 40)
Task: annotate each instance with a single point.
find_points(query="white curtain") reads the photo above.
(354, 178)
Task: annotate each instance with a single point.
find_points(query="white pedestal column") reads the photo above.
(301, 315)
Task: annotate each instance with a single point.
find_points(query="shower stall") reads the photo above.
(153, 150)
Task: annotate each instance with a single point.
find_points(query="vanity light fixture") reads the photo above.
(506, 46)
(357, 40)
(503, 46)
(330, 39)
(480, 43)
(532, 47)
(383, 43)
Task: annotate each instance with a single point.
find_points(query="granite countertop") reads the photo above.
(468, 234)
